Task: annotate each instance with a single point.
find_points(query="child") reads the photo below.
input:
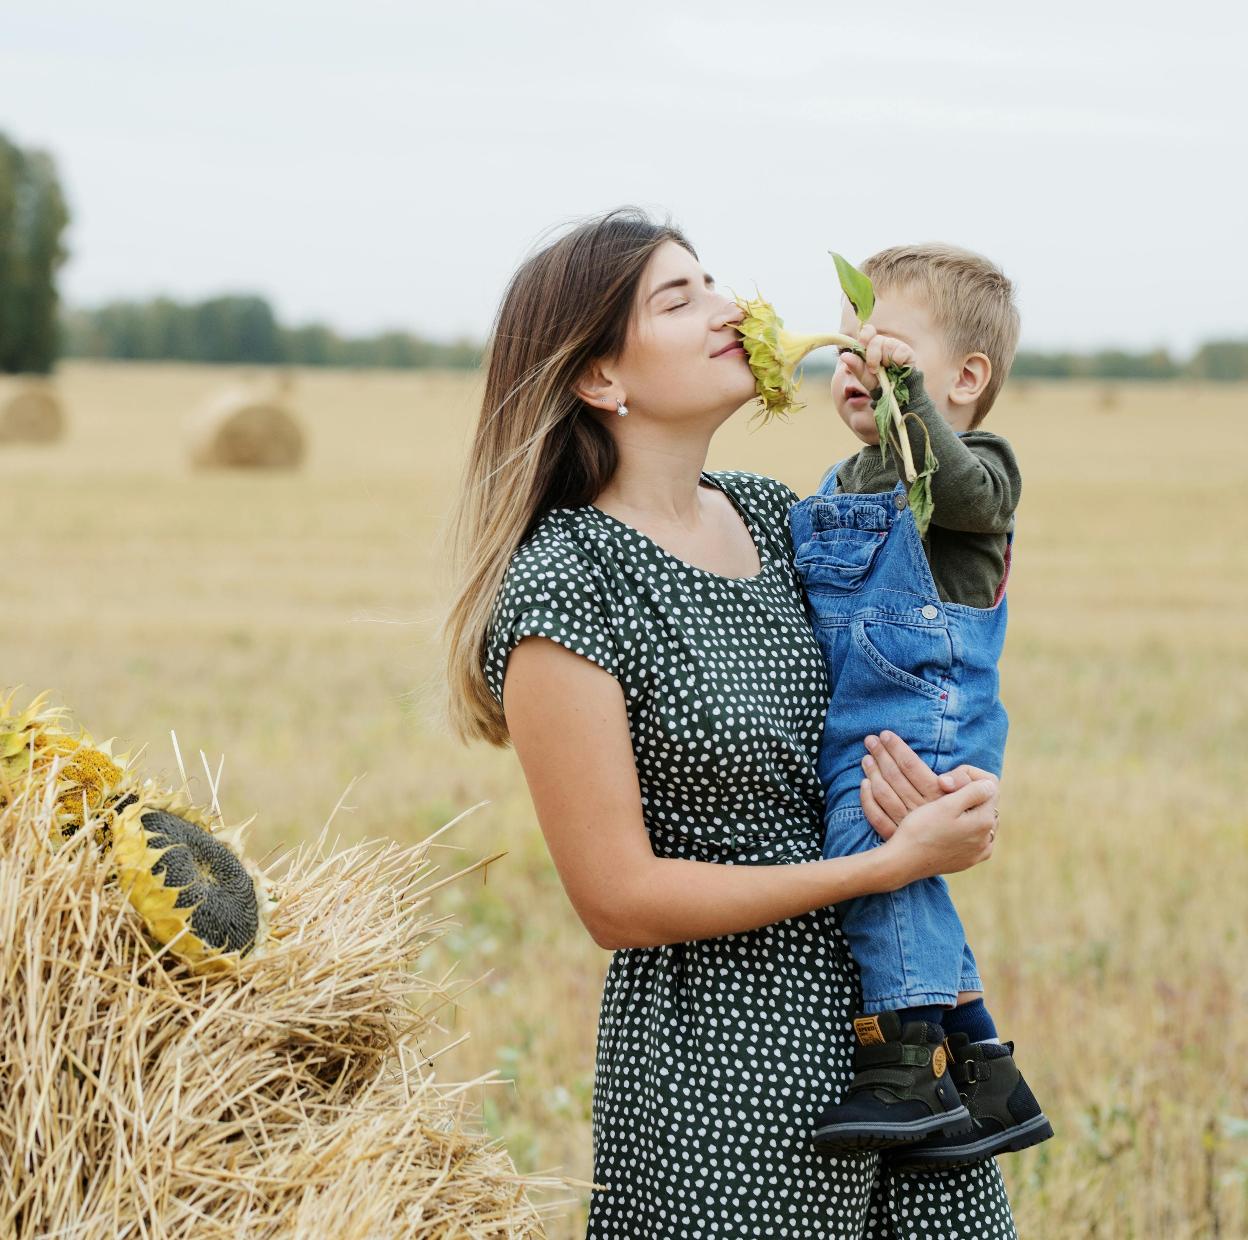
(912, 630)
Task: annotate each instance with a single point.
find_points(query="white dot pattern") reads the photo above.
(715, 1057)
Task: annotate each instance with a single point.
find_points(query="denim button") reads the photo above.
(930, 612)
(900, 502)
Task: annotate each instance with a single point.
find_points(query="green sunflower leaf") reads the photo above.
(856, 286)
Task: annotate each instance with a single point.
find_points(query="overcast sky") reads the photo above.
(376, 164)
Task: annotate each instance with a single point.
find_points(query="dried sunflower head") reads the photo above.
(192, 886)
(774, 355)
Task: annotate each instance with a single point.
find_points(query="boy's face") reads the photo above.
(897, 313)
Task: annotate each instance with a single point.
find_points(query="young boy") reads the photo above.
(912, 629)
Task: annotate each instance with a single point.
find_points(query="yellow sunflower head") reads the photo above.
(91, 782)
(194, 891)
(774, 355)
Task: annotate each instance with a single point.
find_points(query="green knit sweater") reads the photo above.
(974, 494)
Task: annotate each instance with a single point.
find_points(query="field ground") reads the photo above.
(289, 624)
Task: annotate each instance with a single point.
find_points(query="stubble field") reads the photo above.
(289, 623)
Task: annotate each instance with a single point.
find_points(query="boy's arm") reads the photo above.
(978, 484)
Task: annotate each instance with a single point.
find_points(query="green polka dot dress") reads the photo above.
(715, 1057)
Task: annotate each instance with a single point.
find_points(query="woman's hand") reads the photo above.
(954, 832)
(897, 781)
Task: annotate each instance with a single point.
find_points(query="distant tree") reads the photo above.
(1031, 365)
(1119, 364)
(1105, 364)
(313, 345)
(1224, 361)
(33, 216)
(10, 175)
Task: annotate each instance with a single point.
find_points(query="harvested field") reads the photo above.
(287, 620)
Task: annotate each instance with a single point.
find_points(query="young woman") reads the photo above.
(633, 625)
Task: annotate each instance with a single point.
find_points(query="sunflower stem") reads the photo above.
(836, 338)
(903, 440)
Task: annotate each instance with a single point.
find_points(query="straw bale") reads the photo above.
(30, 411)
(293, 1097)
(245, 428)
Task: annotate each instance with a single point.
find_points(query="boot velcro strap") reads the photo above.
(891, 1078)
(971, 1072)
(892, 1053)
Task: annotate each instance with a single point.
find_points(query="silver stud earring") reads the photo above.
(621, 408)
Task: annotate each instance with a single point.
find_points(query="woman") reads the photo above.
(634, 626)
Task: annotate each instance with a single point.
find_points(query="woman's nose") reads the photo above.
(729, 312)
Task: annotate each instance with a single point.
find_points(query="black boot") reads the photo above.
(901, 1089)
(1006, 1114)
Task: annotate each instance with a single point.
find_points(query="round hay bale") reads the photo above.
(29, 411)
(289, 1097)
(241, 429)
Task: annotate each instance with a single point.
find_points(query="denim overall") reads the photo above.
(899, 658)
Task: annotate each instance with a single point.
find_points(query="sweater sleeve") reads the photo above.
(978, 484)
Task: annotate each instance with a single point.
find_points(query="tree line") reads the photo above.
(33, 216)
(1219, 361)
(242, 328)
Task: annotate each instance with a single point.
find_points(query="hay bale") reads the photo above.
(289, 1098)
(243, 428)
(29, 411)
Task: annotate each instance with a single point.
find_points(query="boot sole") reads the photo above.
(1009, 1141)
(859, 1136)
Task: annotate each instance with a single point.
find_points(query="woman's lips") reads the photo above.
(734, 350)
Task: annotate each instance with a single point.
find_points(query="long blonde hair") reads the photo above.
(537, 446)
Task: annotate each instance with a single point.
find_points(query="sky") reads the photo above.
(374, 165)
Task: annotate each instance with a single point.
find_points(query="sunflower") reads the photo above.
(91, 782)
(191, 885)
(774, 355)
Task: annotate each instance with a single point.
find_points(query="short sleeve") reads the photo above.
(553, 592)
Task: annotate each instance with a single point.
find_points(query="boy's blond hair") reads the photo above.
(969, 298)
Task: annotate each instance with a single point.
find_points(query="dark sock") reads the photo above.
(972, 1019)
(932, 1014)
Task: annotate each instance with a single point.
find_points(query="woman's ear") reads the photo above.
(596, 387)
(970, 381)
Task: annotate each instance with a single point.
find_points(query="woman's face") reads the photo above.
(683, 357)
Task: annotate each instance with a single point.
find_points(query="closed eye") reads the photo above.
(677, 306)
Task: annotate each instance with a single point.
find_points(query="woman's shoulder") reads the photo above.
(559, 544)
(555, 567)
(757, 492)
(552, 588)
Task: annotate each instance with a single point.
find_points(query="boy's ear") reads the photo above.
(970, 381)
(597, 388)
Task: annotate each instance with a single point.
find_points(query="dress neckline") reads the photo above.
(760, 543)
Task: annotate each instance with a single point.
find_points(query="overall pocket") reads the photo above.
(893, 676)
(919, 658)
(837, 561)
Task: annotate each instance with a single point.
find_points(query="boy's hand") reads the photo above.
(880, 351)
(898, 781)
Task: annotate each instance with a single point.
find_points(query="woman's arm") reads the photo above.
(568, 723)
